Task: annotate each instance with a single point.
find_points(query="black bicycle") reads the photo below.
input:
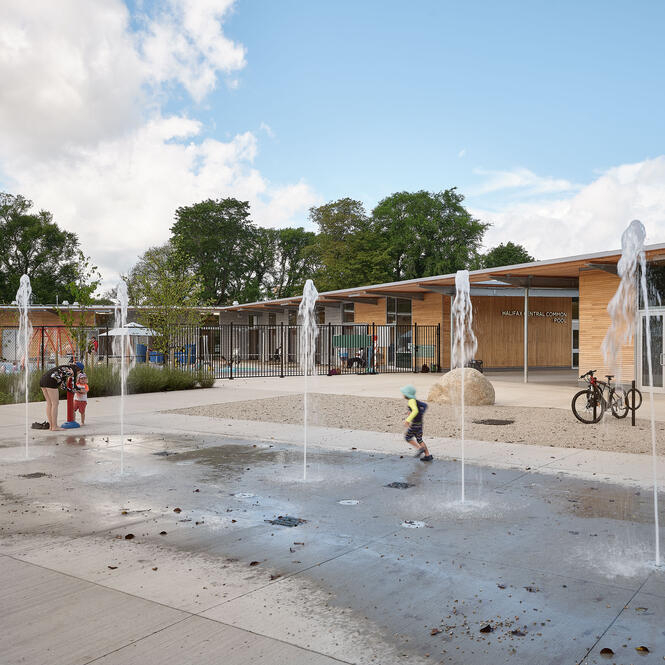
(589, 405)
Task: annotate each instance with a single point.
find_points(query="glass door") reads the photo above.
(655, 327)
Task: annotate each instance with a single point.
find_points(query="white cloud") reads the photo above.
(523, 180)
(461, 153)
(83, 134)
(265, 127)
(591, 219)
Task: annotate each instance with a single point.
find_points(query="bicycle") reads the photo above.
(589, 405)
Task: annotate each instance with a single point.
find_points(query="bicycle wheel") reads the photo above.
(619, 404)
(585, 402)
(638, 398)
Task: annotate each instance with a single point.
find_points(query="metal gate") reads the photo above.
(239, 351)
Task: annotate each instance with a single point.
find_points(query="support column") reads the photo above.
(452, 332)
(526, 334)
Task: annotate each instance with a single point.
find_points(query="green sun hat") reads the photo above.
(408, 391)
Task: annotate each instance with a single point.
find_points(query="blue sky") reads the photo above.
(366, 98)
(548, 117)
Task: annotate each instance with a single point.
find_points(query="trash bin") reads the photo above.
(156, 357)
(141, 352)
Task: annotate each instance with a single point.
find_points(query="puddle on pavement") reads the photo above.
(613, 502)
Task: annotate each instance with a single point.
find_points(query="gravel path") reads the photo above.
(538, 426)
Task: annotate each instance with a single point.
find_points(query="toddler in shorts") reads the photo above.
(81, 395)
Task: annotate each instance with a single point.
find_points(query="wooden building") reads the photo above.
(559, 305)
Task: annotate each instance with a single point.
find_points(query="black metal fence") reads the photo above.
(238, 351)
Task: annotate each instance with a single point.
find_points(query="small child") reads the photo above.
(414, 422)
(81, 395)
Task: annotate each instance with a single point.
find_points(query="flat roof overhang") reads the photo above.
(553, 278)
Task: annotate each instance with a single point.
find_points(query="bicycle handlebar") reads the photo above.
(591, 372)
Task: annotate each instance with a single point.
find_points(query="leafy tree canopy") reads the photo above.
(33, 244)
(350, 249)
(169, 291)
(216, 239)
(296, 259)
(428, 233)
(505, 254)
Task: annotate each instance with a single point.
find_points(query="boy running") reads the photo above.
(414, 422)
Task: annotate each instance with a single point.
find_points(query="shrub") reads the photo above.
(12, 391)
(205, 379)
(104, 380)
(179, 380)
(147, 379)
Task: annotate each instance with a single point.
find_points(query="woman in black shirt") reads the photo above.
(50, 383)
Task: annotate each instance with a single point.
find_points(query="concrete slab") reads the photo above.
(198, 641)
(52, 618)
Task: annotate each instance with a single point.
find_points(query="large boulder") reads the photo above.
(448, 389)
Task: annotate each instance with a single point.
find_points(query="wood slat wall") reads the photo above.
(596, 291)
(501, 338)
(366, 313)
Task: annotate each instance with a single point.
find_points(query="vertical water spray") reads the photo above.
(306, 349)
(465, 343)
(23, 297)
(631, 269)
(120, 348)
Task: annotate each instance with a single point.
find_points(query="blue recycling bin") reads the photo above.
(141, 352)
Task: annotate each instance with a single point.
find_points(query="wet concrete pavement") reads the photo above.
(553, 568)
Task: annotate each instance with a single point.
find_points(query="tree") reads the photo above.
(215, 239)
(33, 244)
(295, 260)
(351, 251)
(83, 287)
(428, 233)
(168, 291)
(505, 254)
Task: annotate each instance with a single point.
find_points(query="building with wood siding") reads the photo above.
(560, 305)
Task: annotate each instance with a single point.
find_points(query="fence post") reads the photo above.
(438, 347)
(632, 406)
(414, 347)
(375, 347)
(107, 344)
(42, 349)
(231, 352)
(281, 345)
(329, 348)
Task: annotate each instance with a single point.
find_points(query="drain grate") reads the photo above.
(398, 485)
(285, 520)
(163, 453)
(37, 474)
(493, 421)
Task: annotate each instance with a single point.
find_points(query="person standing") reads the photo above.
(50, 383)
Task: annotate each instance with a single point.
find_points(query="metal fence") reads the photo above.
(238, 351)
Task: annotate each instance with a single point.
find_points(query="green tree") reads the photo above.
(505, 254)
(295, 260)
(168, 291)
(33, 244)
(82, 290)
(214, 238)
(350, 250)
(428, 233)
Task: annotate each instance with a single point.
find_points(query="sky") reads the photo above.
(548, 117)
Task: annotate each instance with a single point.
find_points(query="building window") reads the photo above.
(398, 311)
(320, 315)
(272, 319)
(348, 312)
(253, 320)
(655, 285)
(293, 317)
